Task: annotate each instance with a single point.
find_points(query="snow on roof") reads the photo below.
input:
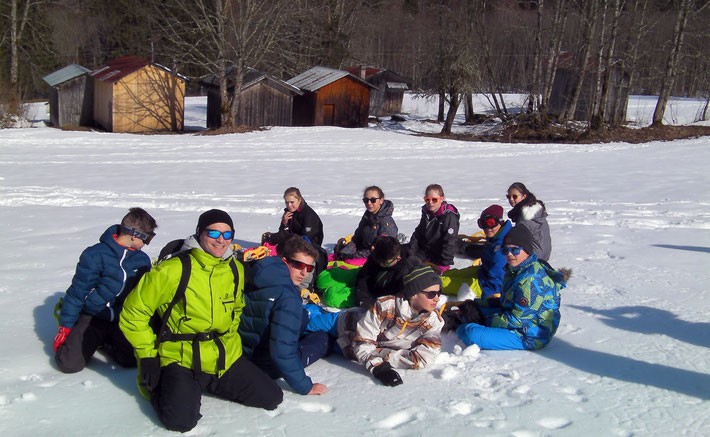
(64, 74)
(397, 85)
(318, 77)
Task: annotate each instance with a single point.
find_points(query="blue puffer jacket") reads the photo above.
(492, 271)
(105, 274)
(529, 303)
(271, 324)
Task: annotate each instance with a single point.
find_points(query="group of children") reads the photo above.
(205, 319)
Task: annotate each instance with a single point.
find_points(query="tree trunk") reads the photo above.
(533, 103)
(590, 20)
(673, 60)
(451, 114)
(468, 106)
(558, 28)
(632, 56)
(442, 101)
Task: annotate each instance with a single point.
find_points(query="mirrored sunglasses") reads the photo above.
(144, 237)
(432, 199)
(367, 200)
(299, 265)
(514, 250)
(213, 233)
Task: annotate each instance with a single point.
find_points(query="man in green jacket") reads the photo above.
(199, 349)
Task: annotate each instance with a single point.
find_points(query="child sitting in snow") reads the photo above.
(528, 312)
(106, 272)
(397, 332)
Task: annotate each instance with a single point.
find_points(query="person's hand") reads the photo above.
(471, 313)
(286, 217)
(150, 373)
(318, 389)
(387, 375)
(61, 337)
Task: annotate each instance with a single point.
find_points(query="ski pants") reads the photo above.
(177, 398)
(490, 338)
(88, 334)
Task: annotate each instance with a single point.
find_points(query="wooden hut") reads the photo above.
(131, 94)
(566, 78)
(331, 98)
(71, 97)
(265, 100)
(386, 97)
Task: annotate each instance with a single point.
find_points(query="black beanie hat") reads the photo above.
(520, 236)
(211, 217)
(420, 278)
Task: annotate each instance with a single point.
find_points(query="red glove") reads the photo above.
(61, 337)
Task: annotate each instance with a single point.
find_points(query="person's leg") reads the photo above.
(118, 348)
(177, 398)
(81, 344)
(314, 346)
(490, 338)
(323, 321)
(244, 383)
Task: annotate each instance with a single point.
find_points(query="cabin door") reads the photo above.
(328, 115)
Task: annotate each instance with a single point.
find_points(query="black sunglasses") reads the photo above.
(299, 265)
(431, 294)
(145, 238)
(367, 200)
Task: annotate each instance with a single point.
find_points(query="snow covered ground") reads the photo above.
(631, 357)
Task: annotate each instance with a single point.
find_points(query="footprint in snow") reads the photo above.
(398, 419)
(314, 407)
(554, 422)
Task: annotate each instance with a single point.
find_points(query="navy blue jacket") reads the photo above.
(493, 262)
(271, 324)
(106, 272)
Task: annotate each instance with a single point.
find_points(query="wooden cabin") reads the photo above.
(71, 97)
(386, 98)
(265, 100)
(330, 98)
(565, 79)
(131, 94)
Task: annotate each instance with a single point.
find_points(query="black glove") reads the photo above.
(150, 373)
(471, 313)
(387, 375)
(452, 320)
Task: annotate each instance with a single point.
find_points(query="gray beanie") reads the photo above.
(420, 278)
(520, 236)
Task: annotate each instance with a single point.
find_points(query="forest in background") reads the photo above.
(448, 47)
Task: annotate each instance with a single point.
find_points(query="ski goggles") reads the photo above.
(367, 200)
(488, 222)
(299, 265)
(144, 237)
(431, 294)
(505, 250)
(432, 199)
(213, 233)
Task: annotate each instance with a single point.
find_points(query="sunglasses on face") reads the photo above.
(431, 294)
(488, 222)
(513, 196)
(213, 233)
(432, 199)
(514, 250)
(145, 238)
(367, 200)
(299, 265)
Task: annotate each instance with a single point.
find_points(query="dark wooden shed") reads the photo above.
(565, 79)
(331, 98)
(386, 97)
(71, 97)
(265, 100)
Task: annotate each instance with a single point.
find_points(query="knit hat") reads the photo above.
(520, 236)
(211, 217)
(419, 279)
(495, 211)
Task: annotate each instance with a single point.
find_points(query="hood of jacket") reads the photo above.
(555, 275)
(107, 239)
(269, 272)
(443, 209)
(527, 212)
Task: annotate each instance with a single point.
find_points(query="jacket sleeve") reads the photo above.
(285, 326)
(364, 342)
(311, 227)
(85, 279)
(424, 351)
(413, 244)
(522, 307)
(155, 290)
(450, 230)
(363, 296)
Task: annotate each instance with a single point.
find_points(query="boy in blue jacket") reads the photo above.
(106, 272)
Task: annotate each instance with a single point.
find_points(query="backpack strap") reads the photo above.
(163, 331)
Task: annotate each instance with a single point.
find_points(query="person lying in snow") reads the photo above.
(105, 274)
(397, 332)
(273, 319)
(528, 312)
